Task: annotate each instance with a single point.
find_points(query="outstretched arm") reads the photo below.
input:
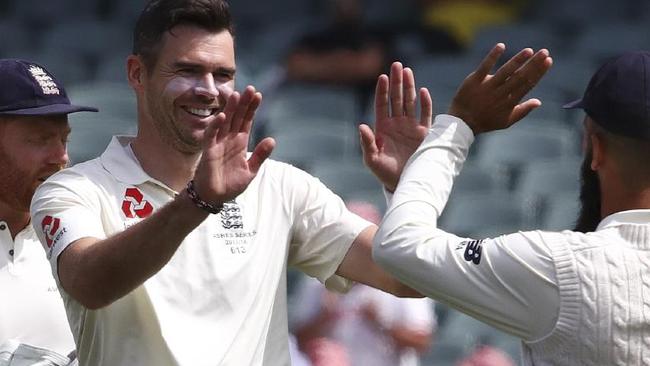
(97, 272)
(490, 279)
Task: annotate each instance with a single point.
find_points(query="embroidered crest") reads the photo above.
(45, 81)
(231, 217)
(134, 204)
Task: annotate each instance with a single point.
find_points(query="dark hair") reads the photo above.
(160, 16)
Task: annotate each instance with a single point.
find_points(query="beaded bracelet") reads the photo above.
(199, 202)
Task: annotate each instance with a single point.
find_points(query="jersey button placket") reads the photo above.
(4, 232)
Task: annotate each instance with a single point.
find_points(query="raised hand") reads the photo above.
(224, 171)
(398, 130)
(492, 102)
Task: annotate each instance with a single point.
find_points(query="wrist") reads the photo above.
(458, 113)
(192, 194)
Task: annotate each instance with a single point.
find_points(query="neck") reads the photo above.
(174, 170)
(622, 199)
(16, 220)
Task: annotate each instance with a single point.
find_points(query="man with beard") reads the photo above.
(33, 134)
(574, 297)
(172, 247)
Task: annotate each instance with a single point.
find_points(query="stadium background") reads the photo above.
(526, 177)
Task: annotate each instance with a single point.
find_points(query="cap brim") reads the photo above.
(52, 109)
(575, 104)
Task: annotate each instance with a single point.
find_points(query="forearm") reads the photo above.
(424, 188)
(358, 266)
(97, 273)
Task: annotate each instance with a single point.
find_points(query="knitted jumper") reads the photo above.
(604, 283)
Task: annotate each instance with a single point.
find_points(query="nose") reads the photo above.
(206, 87)
(58, 154)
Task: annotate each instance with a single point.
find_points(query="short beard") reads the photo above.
(589, 216)
(15, 190)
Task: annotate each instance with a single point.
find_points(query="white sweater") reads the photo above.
(573, 298)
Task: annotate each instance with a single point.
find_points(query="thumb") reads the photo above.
(260, 154)
(368, 143)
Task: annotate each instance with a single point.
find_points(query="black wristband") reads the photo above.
(199, 202)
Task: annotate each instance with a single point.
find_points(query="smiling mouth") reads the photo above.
(200, 112)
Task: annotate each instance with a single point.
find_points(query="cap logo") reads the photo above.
(45, 81)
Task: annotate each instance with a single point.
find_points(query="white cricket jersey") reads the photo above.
(221, 299)
(573, 298)
(31, 310)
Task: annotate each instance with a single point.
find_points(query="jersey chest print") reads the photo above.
(134, 204)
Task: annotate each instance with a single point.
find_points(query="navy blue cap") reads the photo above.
(28, 89)
(618, 96)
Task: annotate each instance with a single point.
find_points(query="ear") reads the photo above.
(135, 70)
(598, 147)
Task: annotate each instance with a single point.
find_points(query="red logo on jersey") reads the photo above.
(134, 204)
(50, 226)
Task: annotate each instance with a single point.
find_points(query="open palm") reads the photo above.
(224, 171)
(398, 130)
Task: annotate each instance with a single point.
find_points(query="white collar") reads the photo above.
(119, 160)
(634, 217)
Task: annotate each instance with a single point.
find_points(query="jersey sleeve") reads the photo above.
(500, 281)
(63, 211)
(323, 230)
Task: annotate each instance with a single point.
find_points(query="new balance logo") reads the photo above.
(473, 251)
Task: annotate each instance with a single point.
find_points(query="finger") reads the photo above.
(261, 152)
(250, 114)
(381, 98)
(489, 61)
(229, 112)
(210, 134)
(396, 95)
(368, 146)
(521, 110)
(511, 66)
(426, 108)
(242, 109)
(527, 77)
(410, 96)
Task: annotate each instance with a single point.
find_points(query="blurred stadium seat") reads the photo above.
(561, 212)
(309, 145)
(309, 101)
(346, 177)
(16, 39)
(516, 37)
(91, 132)
(477, 215)
(527, 142)
(90, 41)
(602, 41)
